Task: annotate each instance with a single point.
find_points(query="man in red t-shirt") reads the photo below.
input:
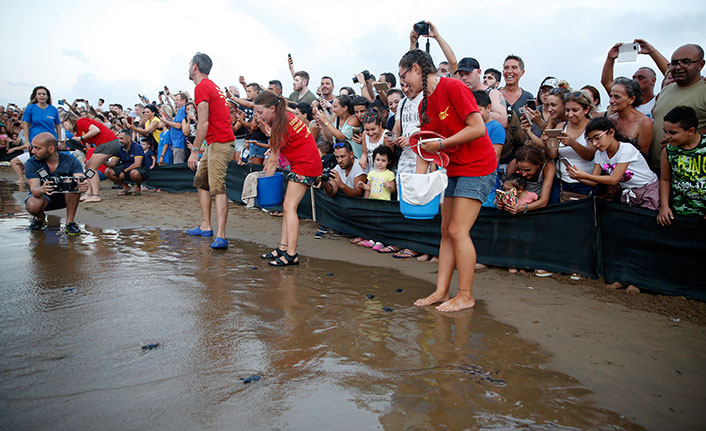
(215, 128)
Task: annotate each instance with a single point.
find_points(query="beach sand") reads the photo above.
(641, 356)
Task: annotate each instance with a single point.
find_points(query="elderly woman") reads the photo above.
(632, 125)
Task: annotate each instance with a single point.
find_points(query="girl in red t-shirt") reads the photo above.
(450, 109)
(291, 137)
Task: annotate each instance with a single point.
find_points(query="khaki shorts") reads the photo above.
(211, 173)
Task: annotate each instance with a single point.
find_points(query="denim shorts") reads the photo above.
(471, 187)
(257, 151)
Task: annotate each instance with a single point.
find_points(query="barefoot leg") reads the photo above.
(615, 286)
(462, 301)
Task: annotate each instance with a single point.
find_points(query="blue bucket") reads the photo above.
(270, 191)
(421, 212)
(418, 212)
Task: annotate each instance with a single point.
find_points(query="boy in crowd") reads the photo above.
(496, 131)
(683, 171)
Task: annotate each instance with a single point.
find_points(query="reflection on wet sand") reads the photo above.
(76, 312)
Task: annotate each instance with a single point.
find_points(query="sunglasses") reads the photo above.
(339, 145)
(556, 91)
(574, 95)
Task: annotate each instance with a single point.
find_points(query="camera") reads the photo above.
(161, 93)
(366, 75)
(64, 184)
(422, 28)
(326, 174)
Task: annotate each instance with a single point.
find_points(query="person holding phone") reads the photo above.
(573, 150)
(449, 109)
(346, 123)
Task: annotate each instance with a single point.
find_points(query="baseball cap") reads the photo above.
(468, 64)
(550, 82)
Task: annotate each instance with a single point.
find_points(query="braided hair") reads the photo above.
(426, 64)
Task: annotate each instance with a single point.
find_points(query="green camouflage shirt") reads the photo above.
(688, 179)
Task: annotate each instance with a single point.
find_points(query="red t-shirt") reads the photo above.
(447, 109)
(300, 149)
(219, 126)
(105, 135)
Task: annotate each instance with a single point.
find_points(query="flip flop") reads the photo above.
(389, 249)
(405, 254)
(124, 193)
(357, 240)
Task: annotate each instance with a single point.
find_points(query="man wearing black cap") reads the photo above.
(469, 72)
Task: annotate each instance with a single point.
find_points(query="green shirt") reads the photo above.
(688, 179)
(309, 97)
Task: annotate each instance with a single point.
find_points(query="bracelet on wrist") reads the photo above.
(441, 144)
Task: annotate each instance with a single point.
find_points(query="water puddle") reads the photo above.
(136, 328)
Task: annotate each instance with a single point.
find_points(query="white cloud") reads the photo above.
(107, 49)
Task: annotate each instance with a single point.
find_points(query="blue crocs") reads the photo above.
(199, 232)
(219, 243)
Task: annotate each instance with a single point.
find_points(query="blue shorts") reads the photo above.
(257, 151)
(477, 188)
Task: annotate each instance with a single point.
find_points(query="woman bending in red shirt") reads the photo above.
(449, 109)
(290, 136)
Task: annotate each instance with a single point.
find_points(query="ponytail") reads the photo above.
(278, 130)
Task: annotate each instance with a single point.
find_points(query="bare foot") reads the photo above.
(457, 303)
(614, 286)
(434, 259)
(633, 290)
(512, 270)
(431, 299)
(480, 266)
(94, 198)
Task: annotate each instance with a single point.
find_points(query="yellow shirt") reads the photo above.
(156, 131)
(377, 182)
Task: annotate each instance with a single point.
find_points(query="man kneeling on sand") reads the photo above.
(128, 164)
(43, 170)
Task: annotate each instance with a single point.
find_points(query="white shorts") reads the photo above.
(24, 157)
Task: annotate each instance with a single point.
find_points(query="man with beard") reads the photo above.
(688, 89)
(42, 169)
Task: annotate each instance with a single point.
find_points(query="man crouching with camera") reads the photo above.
(56, 180)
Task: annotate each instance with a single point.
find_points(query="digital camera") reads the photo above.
(64, 184)
(366, 75)
(422, 28)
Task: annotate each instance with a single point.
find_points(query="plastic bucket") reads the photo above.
(418, 212)
(421, 212)
(270, 191)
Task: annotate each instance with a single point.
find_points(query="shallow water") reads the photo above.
(76, 312)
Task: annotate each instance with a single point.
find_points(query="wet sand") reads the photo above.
(612, 359)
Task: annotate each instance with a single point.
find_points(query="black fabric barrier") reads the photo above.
(589, 237)
(635, 249)
(560, 238)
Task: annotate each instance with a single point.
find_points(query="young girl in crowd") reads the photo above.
(372, 139)
(572, 148)
(518, 183)
(291, 137)
(531, 163)
(620, 163)
(380, 185)
(448, 108)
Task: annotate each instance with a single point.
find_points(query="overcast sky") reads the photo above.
(114, 50)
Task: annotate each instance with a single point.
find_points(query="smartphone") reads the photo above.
(627, 52)
(389, 134)
(166, 89)
(565, 161)
(61, 102)
(381, 86)
(500, 193)
(161, 93)
(524, 113)
(357, 130)
(532, 104)
(553, 133)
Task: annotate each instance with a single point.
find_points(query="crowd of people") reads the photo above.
(506, 147)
